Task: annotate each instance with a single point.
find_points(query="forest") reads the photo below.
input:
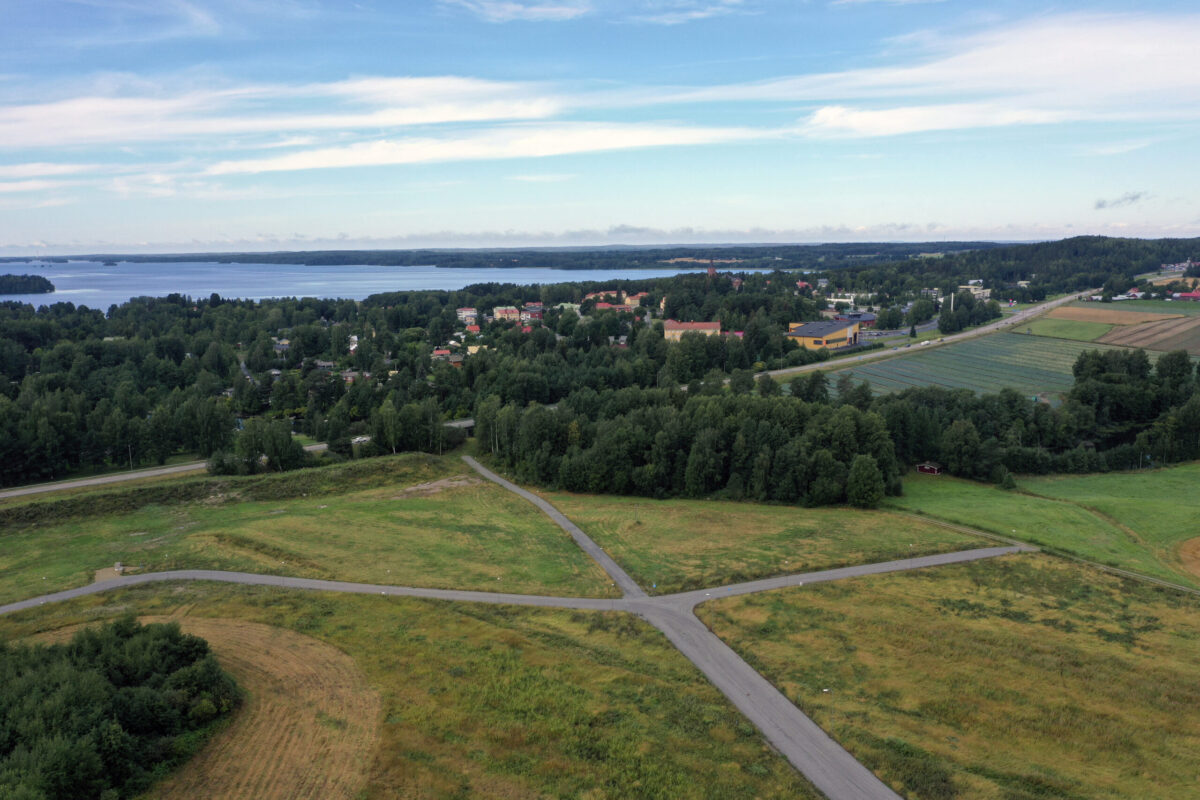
(232, 380)
(106, 714)
(25, 284)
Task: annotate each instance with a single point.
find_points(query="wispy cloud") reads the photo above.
(513, 10)
(678, 12)
(522, 141)
(1127, 199)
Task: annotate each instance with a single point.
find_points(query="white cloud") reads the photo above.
(545, 178)
(840, 120)
(525, 141)
(41, 168)
(33, 185)
(511, 10)
(678, 12)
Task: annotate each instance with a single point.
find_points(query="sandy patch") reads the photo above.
(433, 487)
(1110, 315)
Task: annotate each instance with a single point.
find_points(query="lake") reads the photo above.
(95, 285)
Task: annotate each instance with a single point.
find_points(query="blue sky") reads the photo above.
(184, 125)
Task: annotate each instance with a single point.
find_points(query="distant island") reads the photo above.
(25, 284)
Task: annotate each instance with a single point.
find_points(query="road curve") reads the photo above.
(620, 577)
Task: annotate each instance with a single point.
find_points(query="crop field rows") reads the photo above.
(1029, 364)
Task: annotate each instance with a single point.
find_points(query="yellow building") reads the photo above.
(828, 333)
(672, 330)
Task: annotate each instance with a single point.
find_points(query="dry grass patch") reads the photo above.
(1110, 315)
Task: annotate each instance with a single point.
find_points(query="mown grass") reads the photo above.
(354, 523)
(1068, 329)
(1068, 526)
(676, 545)
(483, 701)
(1021, 678)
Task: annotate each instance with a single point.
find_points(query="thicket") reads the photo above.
(106, 714)
(25, 284)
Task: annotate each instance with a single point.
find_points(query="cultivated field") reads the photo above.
(403, 520)
(1033, 365)
(1024, 677)
(1128, 529)
(1150, 306)
(492, 701)
(676, 545)
(1107, 314)
(1068, 329)
(1172, 334)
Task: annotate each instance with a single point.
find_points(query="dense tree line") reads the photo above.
(25, 284)
(105, 714)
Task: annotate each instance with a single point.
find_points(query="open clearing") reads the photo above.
(497, 701)
(450, 532)
(1130, 527)
(677, 545)
(1023, 677)
(1106, 313)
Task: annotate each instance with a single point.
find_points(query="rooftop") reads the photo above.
(822, 328)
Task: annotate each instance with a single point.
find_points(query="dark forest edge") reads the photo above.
(232, 380)
(107, 714)
(25, 284)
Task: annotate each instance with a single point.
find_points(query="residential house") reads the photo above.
(506, 314)
(466, 315)
(864, 318)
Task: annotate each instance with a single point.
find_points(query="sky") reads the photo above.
(221, 125)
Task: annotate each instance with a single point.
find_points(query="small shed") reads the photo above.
(929, 468)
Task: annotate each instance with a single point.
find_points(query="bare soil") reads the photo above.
(1189, 555)
(1170, 334)
(433, 487)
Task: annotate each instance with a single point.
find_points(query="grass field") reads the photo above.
(1030, 364)
(453, 530)
(1111, 313)
(1181, 333)
(488, 701)
(675, 545)
(1068, 329)
(1065, 525)
(1157, 507)
(1020, 678)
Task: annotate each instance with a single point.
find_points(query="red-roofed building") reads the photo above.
(527, 329)
(472, 329)
(466, 314)
(803, 285)
(672, 330)
(507, 313)
(1194, 296)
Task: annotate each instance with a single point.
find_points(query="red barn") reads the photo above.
(929, 468)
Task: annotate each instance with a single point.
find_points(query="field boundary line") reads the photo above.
(1054, 551)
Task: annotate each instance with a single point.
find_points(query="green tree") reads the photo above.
(864, 484)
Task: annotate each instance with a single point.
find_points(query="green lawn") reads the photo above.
(483, 701)
(1053, 523)
(1068, 329)
(1023, 678)
(463, 534)
(675, 545)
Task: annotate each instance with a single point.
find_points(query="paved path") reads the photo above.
(833, 770)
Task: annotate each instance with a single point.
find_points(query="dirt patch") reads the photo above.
(309, 727)
(1171, 334)
(433, 487)
(1189, 555)
(1110, 315)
